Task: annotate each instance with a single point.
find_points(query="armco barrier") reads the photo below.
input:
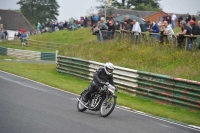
(169, 90)
(3, 51)
(160, 88)
(48, 56)
(27, 54)
(124, 78)
(23, 54)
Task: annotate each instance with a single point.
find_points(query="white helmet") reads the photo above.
(108, 67)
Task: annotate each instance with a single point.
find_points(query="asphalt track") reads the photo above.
(30, 107)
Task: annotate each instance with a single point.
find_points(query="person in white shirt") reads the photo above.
(173, 17)
(136, 29)
(166, 30)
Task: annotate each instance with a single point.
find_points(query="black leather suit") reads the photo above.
(98, 77)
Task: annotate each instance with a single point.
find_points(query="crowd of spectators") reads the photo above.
(190, 26)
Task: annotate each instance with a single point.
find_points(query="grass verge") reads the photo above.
(66, 37)
(47, 74)
(156, 58)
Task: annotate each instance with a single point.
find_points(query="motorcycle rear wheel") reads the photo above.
(107, 106)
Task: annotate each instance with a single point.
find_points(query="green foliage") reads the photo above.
(39, 11)
(148, 7)
(143, 5)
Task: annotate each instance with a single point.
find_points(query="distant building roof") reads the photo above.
(141, 14)
(14, 20)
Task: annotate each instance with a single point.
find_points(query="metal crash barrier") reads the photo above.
(27, 54)
(160, 88)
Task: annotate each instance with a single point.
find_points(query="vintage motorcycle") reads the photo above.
(104, 100)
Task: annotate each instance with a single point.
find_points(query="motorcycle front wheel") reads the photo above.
(107, 106)
(80, 106)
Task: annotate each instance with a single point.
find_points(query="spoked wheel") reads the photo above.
(80, 106)
(107, 106)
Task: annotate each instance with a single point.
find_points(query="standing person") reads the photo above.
(185, 30)
(38, 28)
(193, 18)
(111, 26)
(136, 29)
(42, 28)
(5, 33)
(127, 19)
(2, 34)
(126, 26)
(153, 28)
(22, 30)
(166, 30)
(96, 19)
(188, 18)
(168, 19)
(104, 74)
(131, 25)
(24, 38)
(16, 33)
(101, 26)
(85, 21)
(195, 31)
(180, 18)
(92, 19)
(173, 20)
(71, 23)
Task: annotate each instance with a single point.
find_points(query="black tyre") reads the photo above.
(80, 107)
(107, 106)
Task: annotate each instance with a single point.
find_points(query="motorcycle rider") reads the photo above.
(103, 74)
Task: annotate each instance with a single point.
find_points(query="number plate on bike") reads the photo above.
(111, 88)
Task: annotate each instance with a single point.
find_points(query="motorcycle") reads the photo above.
(104, 100)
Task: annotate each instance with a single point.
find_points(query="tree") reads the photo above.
(101, 8)
(148, 7)
(39, 10)
(137, 4)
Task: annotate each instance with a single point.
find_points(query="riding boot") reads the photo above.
(86, 97)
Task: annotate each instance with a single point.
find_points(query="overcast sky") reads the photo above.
(77, 8)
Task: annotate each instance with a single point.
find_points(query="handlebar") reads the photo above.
(103, 83)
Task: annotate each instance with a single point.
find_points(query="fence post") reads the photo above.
(100, 36)
(186, 43)
(149, 37)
